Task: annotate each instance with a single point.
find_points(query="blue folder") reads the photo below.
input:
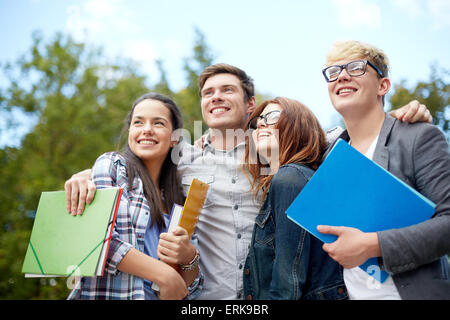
(350, 190)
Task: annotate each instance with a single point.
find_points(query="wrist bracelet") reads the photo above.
(191, 265)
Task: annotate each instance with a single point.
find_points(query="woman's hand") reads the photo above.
(172, 286)
(175, 247)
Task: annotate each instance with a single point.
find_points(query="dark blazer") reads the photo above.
(415, 256)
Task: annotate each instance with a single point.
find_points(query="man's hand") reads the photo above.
(353, 247)
(79, 191)
(175, 247)
(199, 143)
(412, 112)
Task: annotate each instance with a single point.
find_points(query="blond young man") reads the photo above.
(418, 154)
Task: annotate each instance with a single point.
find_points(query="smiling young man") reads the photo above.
(225, 226)
(418, 154)
(226, 223)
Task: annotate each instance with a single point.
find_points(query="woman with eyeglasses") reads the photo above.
(418, 154)
(284, 260)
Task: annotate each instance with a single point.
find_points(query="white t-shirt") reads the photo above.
(360, 285)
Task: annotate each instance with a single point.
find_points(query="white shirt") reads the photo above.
(225, 225)
(360, 285)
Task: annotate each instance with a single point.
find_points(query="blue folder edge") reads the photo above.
(343, 149)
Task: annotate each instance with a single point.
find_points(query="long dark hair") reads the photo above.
(169, 184)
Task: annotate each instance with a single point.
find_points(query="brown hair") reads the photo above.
(246, 81)
(301, 140)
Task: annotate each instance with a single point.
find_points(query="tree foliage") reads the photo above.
(434, 93)
(188, 98)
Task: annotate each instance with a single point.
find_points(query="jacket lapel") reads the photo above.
(344, 136)
(381, 154)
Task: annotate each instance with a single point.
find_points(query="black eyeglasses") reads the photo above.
(355, 69)
(269, 118)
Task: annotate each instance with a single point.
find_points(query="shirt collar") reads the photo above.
(208, 146)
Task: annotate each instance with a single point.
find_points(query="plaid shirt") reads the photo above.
(131, 225)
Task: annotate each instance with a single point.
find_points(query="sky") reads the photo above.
(280, 44)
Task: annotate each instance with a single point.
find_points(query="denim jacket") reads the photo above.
(284, 260)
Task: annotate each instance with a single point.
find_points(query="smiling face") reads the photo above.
(359, 94)
(223, 103)
(149, 135)
(266, 137)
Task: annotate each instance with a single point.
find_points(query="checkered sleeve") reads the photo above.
(109, 171)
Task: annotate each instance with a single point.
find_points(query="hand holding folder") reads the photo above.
(352, 247)
(187, 216)
(351, 190)
(62, 244)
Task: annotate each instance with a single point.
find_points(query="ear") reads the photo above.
(175, 137)
(385, 85)
(251, 105)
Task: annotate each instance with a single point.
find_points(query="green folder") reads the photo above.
(62, 244)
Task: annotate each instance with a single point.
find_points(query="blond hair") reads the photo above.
(345, 50)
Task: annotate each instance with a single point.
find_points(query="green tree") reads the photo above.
(434, 93)
(188, 98)
(14, 228)
(162, 86)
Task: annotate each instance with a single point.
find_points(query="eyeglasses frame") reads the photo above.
(344, 66)
(264, 118)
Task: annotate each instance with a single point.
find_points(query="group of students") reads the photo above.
(244, 246)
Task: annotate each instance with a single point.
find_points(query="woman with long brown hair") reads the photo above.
(284, 260)
(141, 248)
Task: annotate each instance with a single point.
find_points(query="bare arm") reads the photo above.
(171, 284)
